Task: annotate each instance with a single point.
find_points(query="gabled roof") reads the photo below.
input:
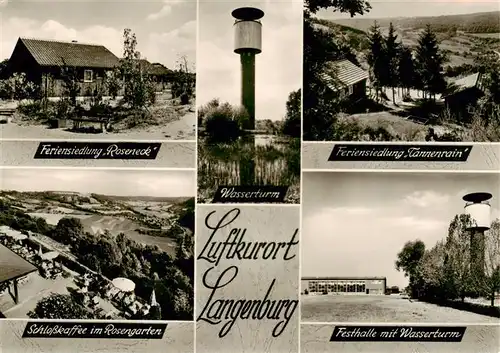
(153, 69)
(57, 53)
(465, 83)
(345, 72)
(13, 266)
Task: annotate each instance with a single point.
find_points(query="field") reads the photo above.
(460, 47)
(99, 214)
(371, 308)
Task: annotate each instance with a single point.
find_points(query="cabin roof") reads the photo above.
(13, 266)
(346, 73)
(59, 53)
(153, 69)
(467, 81)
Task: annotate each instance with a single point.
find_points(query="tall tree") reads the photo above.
(430, 62)
(457, 270)
(430, 271)
(320, 104)
(139, 90)
(492, 257)
(392, 49)
(291, 126)
(406, 69)
(376, 59)
(408, 260)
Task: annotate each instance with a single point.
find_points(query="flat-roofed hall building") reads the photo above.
(344, 285)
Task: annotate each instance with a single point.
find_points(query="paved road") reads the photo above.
(371, 308)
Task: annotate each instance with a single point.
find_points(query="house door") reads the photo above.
(367, 291)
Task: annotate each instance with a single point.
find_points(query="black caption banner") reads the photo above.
(250, 194)
(136, 330)
(395, 153)
(97, 150)
(398, 333)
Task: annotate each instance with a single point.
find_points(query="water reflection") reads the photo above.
(251, 160)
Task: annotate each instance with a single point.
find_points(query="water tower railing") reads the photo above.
(477, 203)
(238, 21)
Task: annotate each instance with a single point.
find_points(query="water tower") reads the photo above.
(248, 43)
(479, 210)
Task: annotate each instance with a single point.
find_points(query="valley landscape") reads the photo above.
(146, 220)
(465, 39)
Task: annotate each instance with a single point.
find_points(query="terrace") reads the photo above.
(34, 266)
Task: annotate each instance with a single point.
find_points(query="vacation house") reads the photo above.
(42, 61)
(346, 77)
(160, 74)
(463, 95)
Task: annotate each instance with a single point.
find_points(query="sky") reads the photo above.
(278, 68)
(166, 183)
(354, 224)
(165, 30)
(414, 8)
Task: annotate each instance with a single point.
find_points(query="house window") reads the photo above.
(351, 90)
(88, 76)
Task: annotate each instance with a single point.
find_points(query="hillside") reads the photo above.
(77, 196)
(463, 49)
(482, 22)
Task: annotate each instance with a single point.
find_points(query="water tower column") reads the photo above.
(248, 86)
(248, 43)
(479, 210)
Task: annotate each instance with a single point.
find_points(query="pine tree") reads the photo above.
(376, 59)
(406, 69)
(391, 55)
(430, 62)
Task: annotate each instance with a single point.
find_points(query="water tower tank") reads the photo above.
(479, 209)
(247, 30)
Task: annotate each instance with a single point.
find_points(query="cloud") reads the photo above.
(420, 224)
(163, 47)
(349, 211)
(338, 241)
(178, 42)
(164, 12)
(426, 199)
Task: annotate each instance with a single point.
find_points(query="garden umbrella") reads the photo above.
(51, 255)
(153, 301)
(124, 284)
(16, 235)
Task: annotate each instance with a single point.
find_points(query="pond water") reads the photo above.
(251, 160)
